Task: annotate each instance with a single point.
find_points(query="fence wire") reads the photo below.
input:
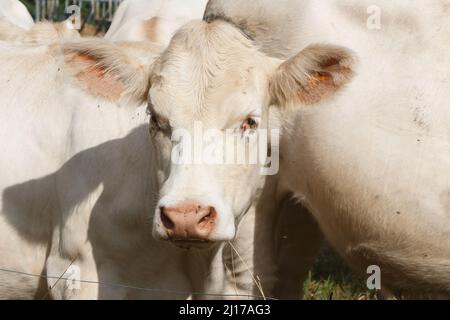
(124, 286)
(98, 13)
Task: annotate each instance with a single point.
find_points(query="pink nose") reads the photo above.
(188, 221)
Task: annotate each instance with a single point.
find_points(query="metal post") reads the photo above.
(37, 4)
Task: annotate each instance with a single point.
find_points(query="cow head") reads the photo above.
(209, 95)
(211, 86)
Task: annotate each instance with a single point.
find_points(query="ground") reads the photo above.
(331, 279)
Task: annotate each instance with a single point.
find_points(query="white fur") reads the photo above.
(39, 34)
(130, 19)
(15, 12)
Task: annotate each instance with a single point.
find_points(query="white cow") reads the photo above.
(40, 33)
(372, 164)
(154, 20)
(79, 185)
(17, 25)
(15, 12)
(51, 208)
(138, 20)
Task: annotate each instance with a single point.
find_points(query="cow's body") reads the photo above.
(15, 12)
(372, 164)
(156, 20)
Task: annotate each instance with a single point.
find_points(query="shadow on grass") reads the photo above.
(331, 279)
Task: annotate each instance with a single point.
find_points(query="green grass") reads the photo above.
(331, 279)
(30, 5)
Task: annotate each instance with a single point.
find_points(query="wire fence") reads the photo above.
(130, 287)
(70, 279)
(94, 12)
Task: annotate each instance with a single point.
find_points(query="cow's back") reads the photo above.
(156, 21)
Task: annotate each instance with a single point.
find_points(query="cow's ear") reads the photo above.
(112, 71)
(311, 76)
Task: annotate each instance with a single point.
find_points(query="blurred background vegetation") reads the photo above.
(31, 6)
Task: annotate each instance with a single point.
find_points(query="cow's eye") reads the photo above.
(249, 123)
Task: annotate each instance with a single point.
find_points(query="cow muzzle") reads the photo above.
(188, 224)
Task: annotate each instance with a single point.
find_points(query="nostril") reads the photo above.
(166, 221)
(209, 219)
(205, 219)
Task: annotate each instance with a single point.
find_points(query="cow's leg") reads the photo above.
(278, 239)
(245, 267)
(264, 248)
(206, 272)
(244, 271)
(71, 256)
(64, 272)
(83, 277)
(299, 240)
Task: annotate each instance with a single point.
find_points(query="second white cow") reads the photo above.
(156, 20)
(15, 13)
(372, 164)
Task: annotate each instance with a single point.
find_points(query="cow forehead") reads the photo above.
(209, 71)
(218, 105)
